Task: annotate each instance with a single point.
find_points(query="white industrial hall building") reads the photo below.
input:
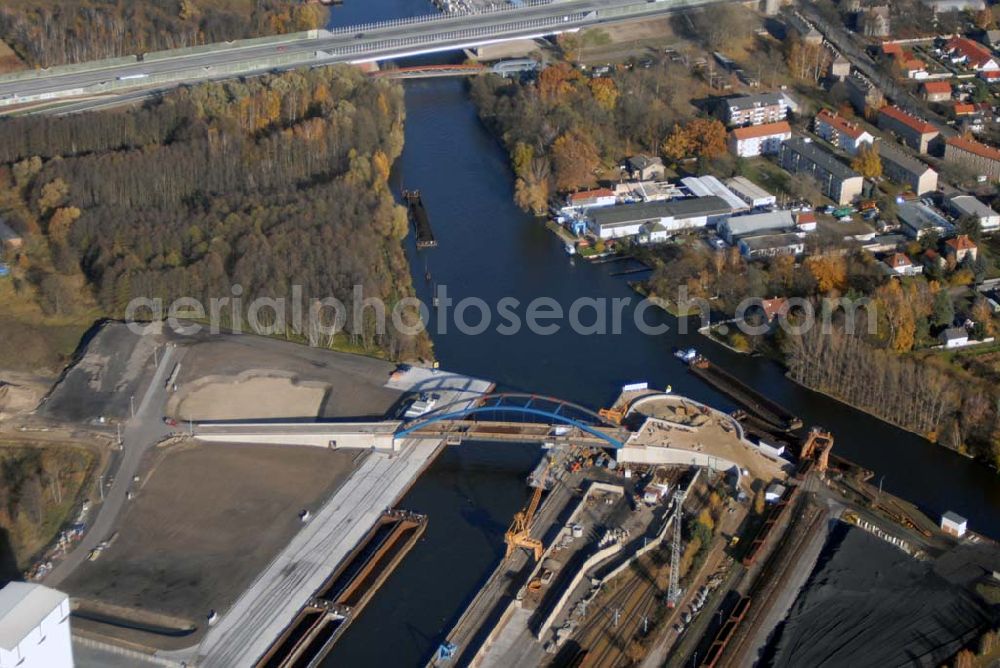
(34, 627)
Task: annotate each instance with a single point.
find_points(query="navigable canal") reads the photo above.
(488, 248)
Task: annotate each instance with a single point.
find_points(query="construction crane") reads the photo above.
(674, 589)
(519, 533)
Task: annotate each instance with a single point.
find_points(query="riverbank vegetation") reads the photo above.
(264, 184)
(566, 130)
(45, 32)
(40, 488)
(881, 357)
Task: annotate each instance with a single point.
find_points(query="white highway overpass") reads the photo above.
(334, 435)
(120, 77)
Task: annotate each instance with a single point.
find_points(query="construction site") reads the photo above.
(762, 548)
(247, 514)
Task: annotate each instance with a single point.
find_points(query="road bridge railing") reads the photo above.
(515, 22)
(439, 17)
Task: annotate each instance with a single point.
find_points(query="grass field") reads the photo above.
(34, 341)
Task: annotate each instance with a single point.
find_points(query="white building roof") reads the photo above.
(919, 216)
(968, 205)
(953, 518)
(706, 186)
(748, 189)
(23, 606)
(759, 222)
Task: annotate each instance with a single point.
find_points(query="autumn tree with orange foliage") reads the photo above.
(700, 138)
(605, 92)
(867, 163)
(679, 145)
(556, 82)
(898, 316)
(574, 160)
(829, 272)
(531, 187)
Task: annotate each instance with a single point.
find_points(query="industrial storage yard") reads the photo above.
(869, 604)
(237, 377)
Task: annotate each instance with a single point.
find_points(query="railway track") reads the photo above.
(607, 643)
(771, 577)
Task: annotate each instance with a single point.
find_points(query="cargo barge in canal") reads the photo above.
(418, 216)
(753, 401)
(345, 593)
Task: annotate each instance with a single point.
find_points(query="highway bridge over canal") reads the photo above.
(510, 417)
(99, 83)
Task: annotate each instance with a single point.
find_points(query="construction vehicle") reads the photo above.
(519, 533)
(817, 448)
(613, 415)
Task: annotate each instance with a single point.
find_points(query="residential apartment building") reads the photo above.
(840, 67)
(837, 181)
(840, 132)
(863, 94)
(913, 131)
(903, 168)
(757, 140)
(982, 159)
(755, 109)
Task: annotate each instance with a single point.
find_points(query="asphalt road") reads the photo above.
(238, 59)
(141, 433)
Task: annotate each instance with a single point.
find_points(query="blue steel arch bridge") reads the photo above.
(515, 416)
(506, 416)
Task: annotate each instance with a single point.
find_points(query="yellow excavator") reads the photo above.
(519, 533)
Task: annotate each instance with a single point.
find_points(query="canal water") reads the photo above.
(488, 248)
(356, 12)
